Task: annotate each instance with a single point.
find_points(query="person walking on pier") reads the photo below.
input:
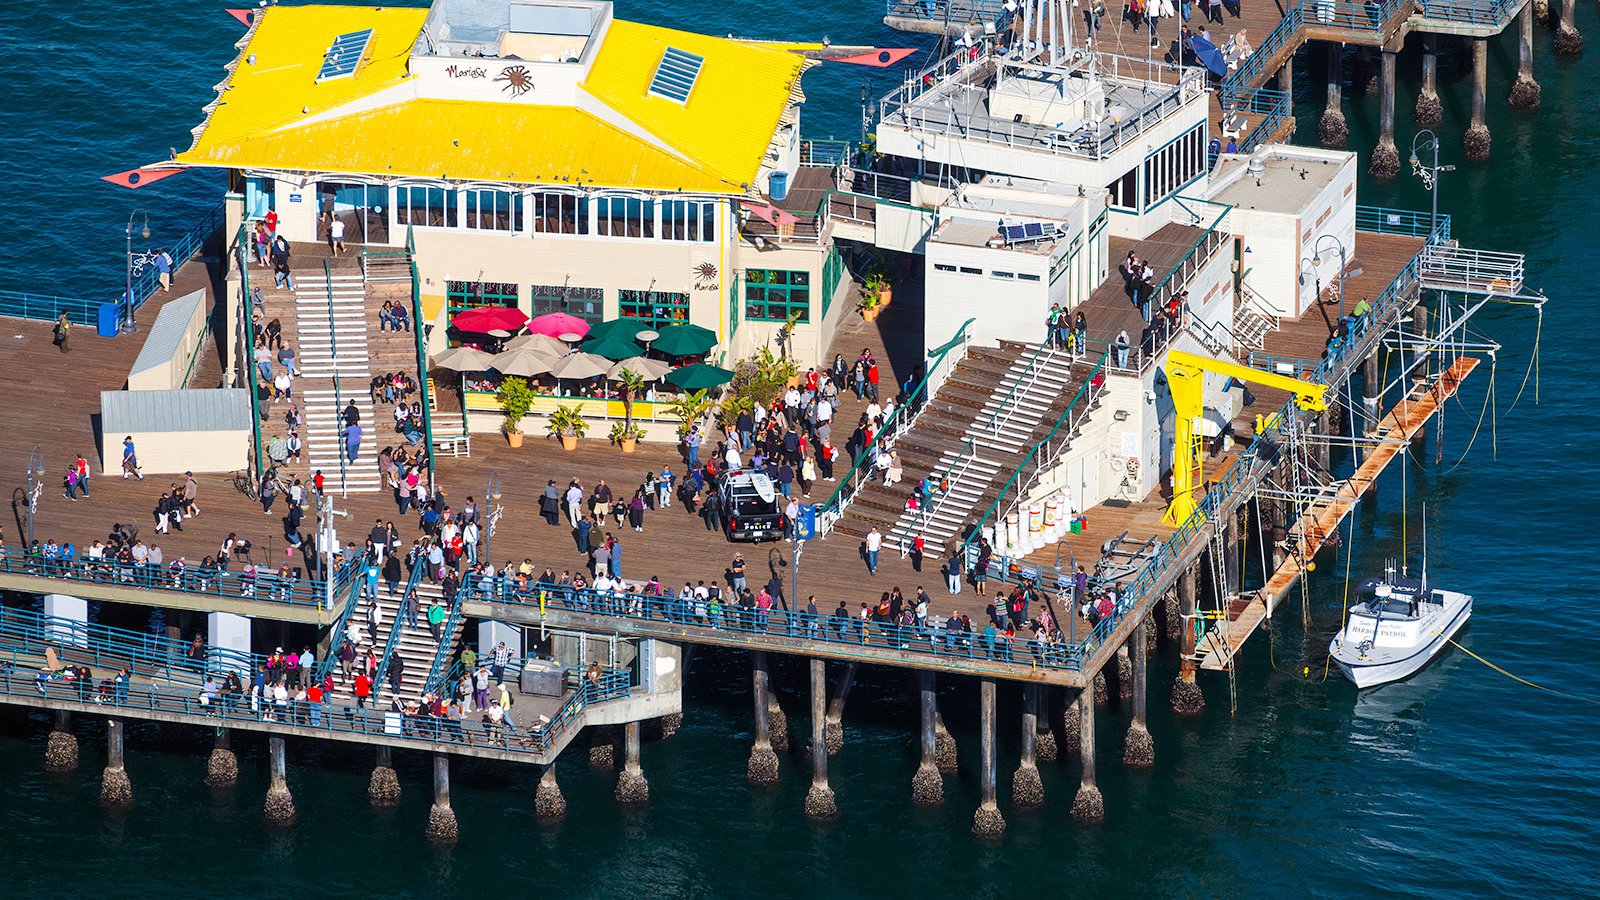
(62, 328)
(874, 544)
(574, 502)
(499, 659)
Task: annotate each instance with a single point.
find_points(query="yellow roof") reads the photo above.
(720, 135)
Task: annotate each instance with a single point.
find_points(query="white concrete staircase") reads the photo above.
(332, 326)
(415, 646)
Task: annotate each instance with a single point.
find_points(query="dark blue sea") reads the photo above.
(1460, 782)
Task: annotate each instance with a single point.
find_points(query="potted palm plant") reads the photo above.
(630, 385)
(516, 398)
(567, 423)
(626, 435)
(875, 296)
(691, 407)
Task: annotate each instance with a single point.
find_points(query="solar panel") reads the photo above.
(1033, 231)
(1013, 233)
(675, 75)
(345, 55)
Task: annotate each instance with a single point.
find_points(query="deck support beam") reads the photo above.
(1027, 790)
(1386, 157)
(1568, 41)
(280, 804)
(987, 821)
(1333, 130)
(632, 787)
(833, 726)
(61, 747)
(1139, 751)
(442, 826)
(1430, 111)
(222, 768)
(1187, 699)
(383, 788)
(1525, 94)
(820, 802)
(927, 786)
(763, 766)
(1476, 140)
(116, 791)
(1088, 806)
(548, 803)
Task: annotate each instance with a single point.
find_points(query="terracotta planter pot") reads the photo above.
(569, 442)
(514, 438)
(628, 444)
(871, 315)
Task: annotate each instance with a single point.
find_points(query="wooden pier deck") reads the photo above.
(1320, 519)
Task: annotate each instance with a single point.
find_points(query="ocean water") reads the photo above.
(1458, 782)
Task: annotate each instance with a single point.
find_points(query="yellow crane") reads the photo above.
(1186, 379)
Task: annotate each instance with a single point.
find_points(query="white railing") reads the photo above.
(1450, 267)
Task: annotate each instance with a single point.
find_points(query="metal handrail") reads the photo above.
(23, 630)
(422, 354)
(262, 586)
(44, 308)
(333, 355)
(145, 280)
(339, 628)
(242, 250)
(396, 629)
(446, 644)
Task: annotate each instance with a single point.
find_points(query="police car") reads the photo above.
(752, 507)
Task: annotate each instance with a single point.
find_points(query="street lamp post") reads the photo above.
(1305, 266)
(491, 497)
(128, 326)
(1424, 140)
(1316, 260)
(328, 538)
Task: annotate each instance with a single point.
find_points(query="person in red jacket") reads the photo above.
(872, 380)
(363, 689)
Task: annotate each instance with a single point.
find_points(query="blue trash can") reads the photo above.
(109, 319)
(778, 186)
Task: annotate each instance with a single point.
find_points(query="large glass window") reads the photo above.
(625, 217)
(688, 220)
(773, 294)
(464, 295)
(587, 303)
(557, 213)
(494, 210)
(659, 308)
(1174, 165)
(428, 206)
(832, 274)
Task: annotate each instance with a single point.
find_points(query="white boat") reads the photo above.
(1395, 628)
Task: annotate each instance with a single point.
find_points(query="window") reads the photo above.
(625, 217)
(1123, 190)
(494, 210)
(344, 55)
(688, 220)
(1024, 276)
(587, 303)
(676, 74)
(773, 294)
(968, 270)
(433, 207)
(1173, 166)
(463, 295)
(1004, 276)
(943, 267)
(659, 308)
(556, 213)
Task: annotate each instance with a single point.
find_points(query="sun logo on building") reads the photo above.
(518, 80)
(705, 276)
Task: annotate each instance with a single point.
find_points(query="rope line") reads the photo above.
(1518, 678)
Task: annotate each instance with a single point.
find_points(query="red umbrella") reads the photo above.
(557, 324)
(485, 319)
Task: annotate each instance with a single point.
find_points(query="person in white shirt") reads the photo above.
(874, 544)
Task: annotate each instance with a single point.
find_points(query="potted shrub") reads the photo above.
(567, 423)
(516, 398)
(875, 296)
(691, 407)
(626, 436)
(630, 384)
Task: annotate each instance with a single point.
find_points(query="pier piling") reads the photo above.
(1187, 700)
(763, 767)
(1430, 111)
(987, 821)
(669, 724)
(1027, 790)
(1476, 140)
(442, 826)
(833, 726)
(927, 786)
(1124, 673)
(820, 802)
(548, 803)
(222, 768)
(280, 804)
(1044, 735)
(944, 746)
(61, 747)
(1568, 41)
(1138, 751)
(1386, 157)
(603, 747)
(1087, 806)
(632, 788)
(777, 720)
(1332, 129)
(383, 788)
(1525, 94)
(116, 791)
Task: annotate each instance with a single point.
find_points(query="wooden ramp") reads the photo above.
(1217, 649)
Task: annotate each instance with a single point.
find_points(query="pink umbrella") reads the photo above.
(558, 324)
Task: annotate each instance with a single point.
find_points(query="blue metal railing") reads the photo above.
(340, 627)
(1416, 223)
(1270, 107)
(25, 632)
(145, 280)
(442, 654)
(262, 586)
(24, 305)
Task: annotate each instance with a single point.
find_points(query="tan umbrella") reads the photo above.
(523, 362)
(464, 359)
(580, 365)
(649, 369)
(541, 342)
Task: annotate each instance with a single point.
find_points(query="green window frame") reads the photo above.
(658, 308)
(832, 274)
(464, 295)
(771, 295)
(587, 303)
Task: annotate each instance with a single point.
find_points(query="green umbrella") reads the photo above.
(624, 328)
(611, 346)
(699, 376)
(684, 340)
